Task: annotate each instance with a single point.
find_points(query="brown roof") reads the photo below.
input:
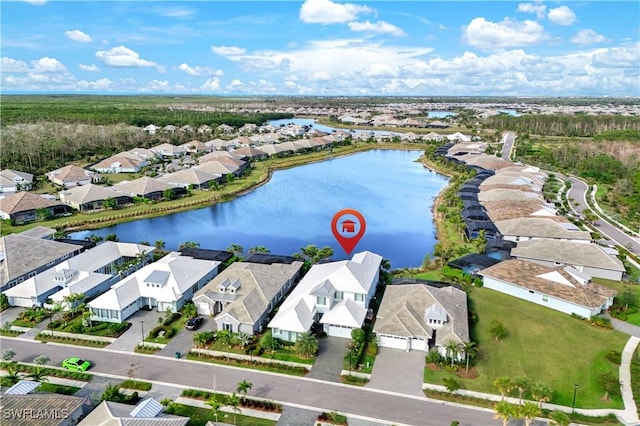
(25, 201)
(503, 210)
(250, 152)
(126, 161)
(528, 275)
(70, 173)
(45, 404)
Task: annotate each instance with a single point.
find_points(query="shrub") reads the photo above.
(372, 348)
(614, 357)
(169, 332)
(154, 332)
(171, 318)
(434, 357)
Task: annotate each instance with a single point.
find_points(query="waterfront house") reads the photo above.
(90, 272)
(147, 187)
(523, 229)
(562, 288)
(242, 296)
(72, 175)
(14, 181)
(418, 316)
(92, 197)
(163, 285)
(334, 294)
(23, 207)
(192, 177)
(125, 162)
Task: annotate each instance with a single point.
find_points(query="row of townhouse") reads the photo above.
(542, 257)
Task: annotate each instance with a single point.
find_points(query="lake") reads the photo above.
(295, 208)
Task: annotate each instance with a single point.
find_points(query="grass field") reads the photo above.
(200, 417)
(542, 345)
(619, 286)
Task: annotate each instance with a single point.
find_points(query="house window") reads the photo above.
(321, 300)
(545, 298)
(339, 295)
(532, 292)
(275, 331)
(359, 297)
(227, 326)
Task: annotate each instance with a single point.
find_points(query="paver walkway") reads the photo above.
(293, 416)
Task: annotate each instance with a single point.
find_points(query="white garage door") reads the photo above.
(339, 332)
(418, 344)
(393, 342)
(21, 301)
(203, 308)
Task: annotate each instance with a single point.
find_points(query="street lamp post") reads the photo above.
(573, 406)
(142, 331)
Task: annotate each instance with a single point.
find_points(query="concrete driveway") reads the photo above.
(133, 336)
(10, 314)
(183, 341)
(398, 371)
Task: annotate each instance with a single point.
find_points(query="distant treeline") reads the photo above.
(579, 125)
(14, 113)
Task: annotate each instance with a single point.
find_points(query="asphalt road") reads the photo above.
(283, 389)
(508, 140)
(578, 192)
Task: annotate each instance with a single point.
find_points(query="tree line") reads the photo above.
(579, 125)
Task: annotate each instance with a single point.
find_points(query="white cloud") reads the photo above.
(173, 11)
(121, 57)
(228, 50)
(504, 34)
(90, 68)
(537, 8)
(196, 71)
(211, 85)
(102, 84)
(77, 35)
(12, 65)
(235, 85)
(35, 2)
(588, 37)
(47, 64)
(562, 15)
(328, 12)
(379, 27)
(159, 86)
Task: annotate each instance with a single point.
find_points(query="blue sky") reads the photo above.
(322, 47)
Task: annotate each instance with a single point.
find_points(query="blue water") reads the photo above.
(441, 114)
(322, 127)
(296, 206)
(512, 112)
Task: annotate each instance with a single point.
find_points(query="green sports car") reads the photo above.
(76, 364)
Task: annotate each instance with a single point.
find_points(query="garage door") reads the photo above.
(418, 344)
(393, 342)
(203, 308)
(21, 301)
(339, 332)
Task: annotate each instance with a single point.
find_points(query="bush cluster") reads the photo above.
(197, 394)
(261, 405)
(169, 332)
(615, 357)
(171, 318)
(74, 375)
(283, 367)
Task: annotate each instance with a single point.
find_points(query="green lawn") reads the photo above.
(61, 389)
(137, 385)
(200, 416)
(633, 318)
(435, 275)
(543, 345)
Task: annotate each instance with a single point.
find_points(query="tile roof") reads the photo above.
(127, 161)
(513, 209)
(118, 414)
(403, 307)
(567, 252)
(70, 173)
(87, 194)
(38, 232)
(15, 176)
(142, 186)
(25, 201)
(556, 282)
(506, 194)
(192, 176)
(539, 228)
(40, 406)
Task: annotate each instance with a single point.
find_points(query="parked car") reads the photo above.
(76, 364)
(194, 323)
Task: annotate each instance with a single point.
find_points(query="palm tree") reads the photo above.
(521, 384)
(160, 245)
(215, 406)
(244, 387)
(234, 402)
(237, 250)
(259, 249)
(504, 411)
(187, 245)
(73, 302)
(189, 310)
(307, 344)
(529, 411)
(559, 418)
(504, 385)
(540, 393)
(244, 339)
(470, 351)
(452, 350)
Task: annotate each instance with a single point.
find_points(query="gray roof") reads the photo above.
(540, 228)
(157, 277)
(117, 414)
(45, 403)
(404, 307)
(23, 387)
(39, 232)
(567, 252)
(259, 286)
(142, 186)
(147, 408)
(23, 254)
(87, 194)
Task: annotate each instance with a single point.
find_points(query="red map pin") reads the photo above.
(348, 227)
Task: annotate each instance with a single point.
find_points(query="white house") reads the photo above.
(244, 294)
(91, 273)
(151, 129)
(334, 294)
(164, 285)
(523, 229)
(590, 259)
(562, 288)
(14, 181)
(420, 317)
(72, 175)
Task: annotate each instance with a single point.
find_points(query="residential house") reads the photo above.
(523, 229)
(457, 136)
(44, 409)
(23, 256)
(23, 207)
(489, 162)
(14, 181)
(147, 413)
(219, 144)
(168, 150)
(217, 167)
(71, 175)
(195, 146)
(437, 125)
(508, 209)
(147, 187)
(124, 162)
(225, 128)
(151, 129)
(92, 197)
(508, 195)
(169, 128)
(91, 272)
(164, 285)
(417, 316)
(562, 288)
(244, 294)
(248, 128)
(193, 178)
(250, 153)
(40, 232)
(204, 129)
(334, 294)
(590, 259)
